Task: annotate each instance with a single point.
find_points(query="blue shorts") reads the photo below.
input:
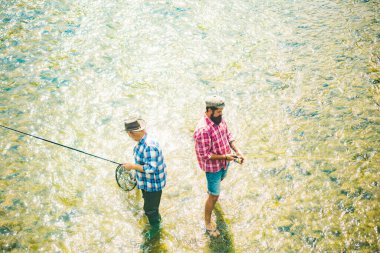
(213, 181)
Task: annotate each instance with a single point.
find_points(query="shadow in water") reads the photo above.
(225, 241)
(153, 239)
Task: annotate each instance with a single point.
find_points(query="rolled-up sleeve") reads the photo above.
(152, 156)
(203, 145)
(230, 137)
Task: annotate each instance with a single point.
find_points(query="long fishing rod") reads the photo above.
(40, 138)
(298, 157)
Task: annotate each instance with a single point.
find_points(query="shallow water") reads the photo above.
(302, 85)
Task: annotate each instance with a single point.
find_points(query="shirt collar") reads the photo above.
(142, 140)
(209, 122)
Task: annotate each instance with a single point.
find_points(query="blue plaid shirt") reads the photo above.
(148, 153)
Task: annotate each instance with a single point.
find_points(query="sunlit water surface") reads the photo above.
(301, 82)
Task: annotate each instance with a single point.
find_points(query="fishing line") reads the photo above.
(125, 179)
(308, 158)
(60, 145)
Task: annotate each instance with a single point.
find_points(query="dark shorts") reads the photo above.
(213, 181)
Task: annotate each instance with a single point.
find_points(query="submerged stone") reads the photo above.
(367, 195)
(288, 177)
(361, 245)
(5, 231)
(299, 112)
(357, 193)
(284, 228)
(69, 32)
(277, 84)
(311, 241)
(20, 60)
(362, 125)
(7, 20)
(11, 176)
(346, 208)
(66, 217)
(9, 246)
(313, 114)
(336, 233)
(294, 44)
(350, 209)
(328, 171)
(18, 202)
(275, 171)
(14, 147)
(297, 230)
(305, 172)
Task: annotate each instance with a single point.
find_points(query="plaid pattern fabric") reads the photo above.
(212, 139)
(147, 153)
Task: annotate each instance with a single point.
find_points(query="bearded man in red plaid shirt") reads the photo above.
(213, 145)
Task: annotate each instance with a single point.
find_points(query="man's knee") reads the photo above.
(153, 216)
(213, 198)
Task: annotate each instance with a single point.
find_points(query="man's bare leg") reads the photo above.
(209, 206)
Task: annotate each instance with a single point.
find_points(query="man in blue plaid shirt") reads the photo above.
(149, 166)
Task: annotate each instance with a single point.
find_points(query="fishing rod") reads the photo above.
(124, 178)
(297, 157)
(56, 143)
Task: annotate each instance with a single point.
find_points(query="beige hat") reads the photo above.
(215, 101)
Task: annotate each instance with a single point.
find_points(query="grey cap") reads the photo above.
(215, 101)
(134, 124)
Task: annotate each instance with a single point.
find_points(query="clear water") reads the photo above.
(302, 85)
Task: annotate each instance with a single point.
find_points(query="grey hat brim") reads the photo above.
(142, 125)
(215, 101)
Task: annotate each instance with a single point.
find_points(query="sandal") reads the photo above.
(213, 232)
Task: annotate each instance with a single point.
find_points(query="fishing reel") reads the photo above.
(238, 159)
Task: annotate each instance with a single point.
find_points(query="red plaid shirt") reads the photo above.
(212, 139)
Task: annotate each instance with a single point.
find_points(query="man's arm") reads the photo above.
(234, 148)
(237, 151)
(131, 166)
(203, 147)
(152, 156)
(231, 141)
(227, 157)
